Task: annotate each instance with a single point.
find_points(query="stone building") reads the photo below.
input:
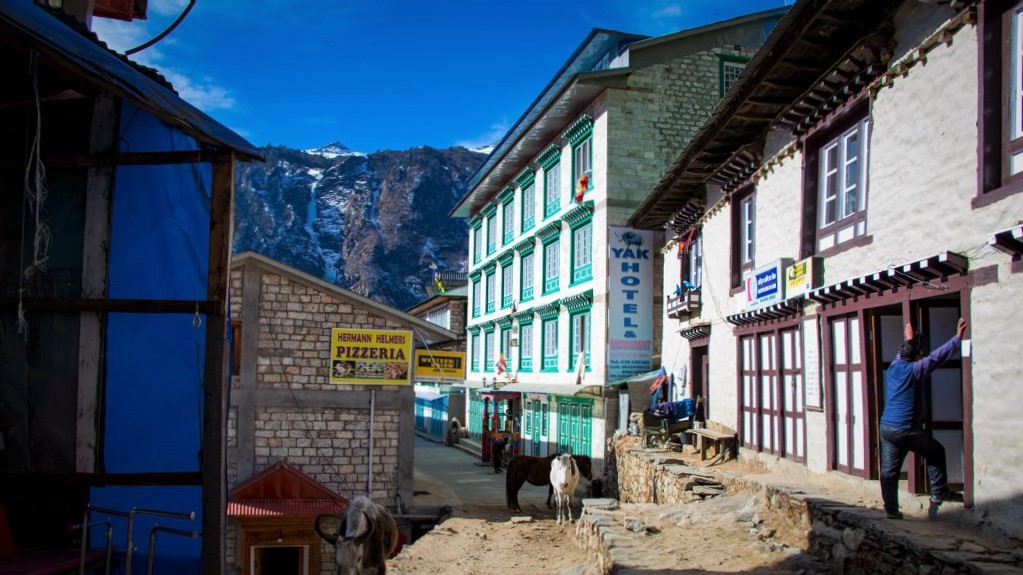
(345, 438)
(546, 212)
(861, 174)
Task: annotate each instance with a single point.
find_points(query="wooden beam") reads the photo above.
(99, 186)
(213, 556)
(101, 305)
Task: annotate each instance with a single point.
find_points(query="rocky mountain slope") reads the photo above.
(372, 223)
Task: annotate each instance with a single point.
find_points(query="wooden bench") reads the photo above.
(705, 437)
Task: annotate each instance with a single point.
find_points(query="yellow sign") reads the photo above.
(441, 366)
(370, 356)
(799, 277)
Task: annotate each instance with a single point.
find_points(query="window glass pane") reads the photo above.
(528, 207)
(509, 221)
(526, 340)
(477, 244)
(553, 183)
(1016, 74)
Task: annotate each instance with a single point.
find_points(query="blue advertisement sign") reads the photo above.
(765, 286)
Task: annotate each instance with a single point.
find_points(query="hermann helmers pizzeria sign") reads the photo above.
(370, 356)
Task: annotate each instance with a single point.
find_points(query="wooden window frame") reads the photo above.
(587, 337)
(545, 357)
(527, 262)
(553, 283)
(812, 232)
(739, 264)
(994, 79)
(525, 347)
(529, 213)
(551, 206)
(582, 272)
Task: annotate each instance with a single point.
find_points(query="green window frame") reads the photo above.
(582, 252)
(507, 274)
(508, 223)
(477, 242)
(491, 234)
(527, 276)
(580, 331)
(552, 190)
(528, 207)
(551, 265)
(491, 291)
(477, 294)
(504, 344)
(549, 345)
(488, 350)
(729, 69)
(475, 350)
(526, 346)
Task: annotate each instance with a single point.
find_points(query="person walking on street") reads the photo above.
(901, 430)
(498, 452)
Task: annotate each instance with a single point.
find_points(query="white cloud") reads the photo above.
(168, 7)
(492, 136)
(202, 92)
(669, 11)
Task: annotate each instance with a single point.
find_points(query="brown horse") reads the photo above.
(537, 471)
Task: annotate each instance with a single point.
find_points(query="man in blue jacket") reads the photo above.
(900, 424)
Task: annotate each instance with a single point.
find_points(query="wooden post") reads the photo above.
(214, 466)
(99, 188)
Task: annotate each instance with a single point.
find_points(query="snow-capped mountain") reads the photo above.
(372, 223)
(333, 150)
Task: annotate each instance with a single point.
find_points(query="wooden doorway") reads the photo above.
(700, 370)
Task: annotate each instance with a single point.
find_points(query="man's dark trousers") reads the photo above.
(895, 444)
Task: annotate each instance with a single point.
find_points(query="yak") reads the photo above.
(366, 536)
(564, 478)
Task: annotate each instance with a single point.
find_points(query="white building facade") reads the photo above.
(829, 201)
(547, 236)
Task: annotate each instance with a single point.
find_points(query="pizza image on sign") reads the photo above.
(370, 356)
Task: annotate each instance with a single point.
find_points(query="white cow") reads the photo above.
(564, 479)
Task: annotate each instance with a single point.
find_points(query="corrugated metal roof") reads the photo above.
(83, 54)
(284, 507)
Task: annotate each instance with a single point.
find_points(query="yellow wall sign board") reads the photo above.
(371, 356)
(440, 366)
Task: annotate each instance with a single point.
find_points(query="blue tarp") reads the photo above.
(154, 372)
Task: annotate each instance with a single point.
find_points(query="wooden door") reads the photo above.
(849, 396)
(769, 413)
(792, 393)
(700, 368)
(748, 395)
(941, 396)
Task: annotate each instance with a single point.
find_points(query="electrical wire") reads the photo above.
(162, 35)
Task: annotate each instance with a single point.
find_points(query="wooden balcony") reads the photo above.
(685, 306)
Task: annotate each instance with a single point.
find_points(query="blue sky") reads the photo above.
(384, 74)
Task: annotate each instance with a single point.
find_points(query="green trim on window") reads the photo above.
(550, 285)
(476, 222)
(506, 195)
(579, 129)
(526, 177)
(503, 321)
(523, 317)
(579, 215)
(548, 363)
(490, 268)
(476, 275)
(572, 357)
(578, 302)
(489, 210)
(549, 156)
(548, 310)
(581, 272)
(526, 292)
(549, 209)
(525, 247)
(549, 232)
(505, 259)
(575, 168)
(727, 59)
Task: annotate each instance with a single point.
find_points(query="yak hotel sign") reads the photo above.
(370, 356)
(630, 302)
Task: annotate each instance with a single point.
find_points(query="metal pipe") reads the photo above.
(372, 415)
(128, 546)
(110, 547)
(85, 525)
(152, 542)
(189, 516)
